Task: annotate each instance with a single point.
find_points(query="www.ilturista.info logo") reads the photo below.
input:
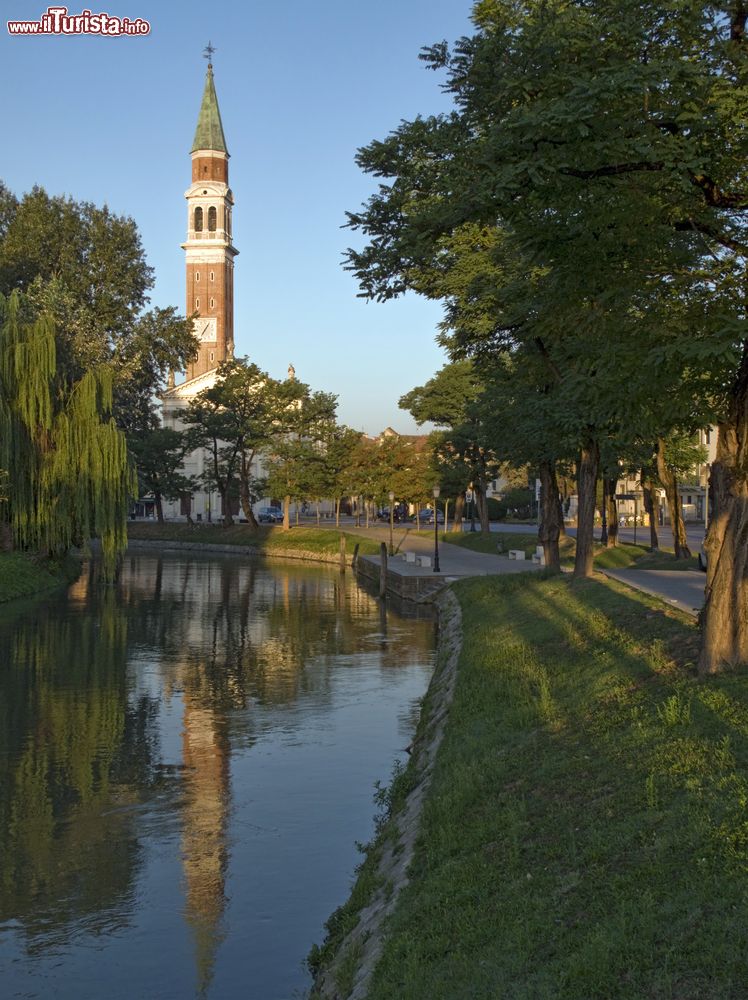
(57, 21)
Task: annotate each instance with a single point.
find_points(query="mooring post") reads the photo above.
(342, 553)
(383, 570)
(354, 561)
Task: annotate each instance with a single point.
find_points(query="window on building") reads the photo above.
(212, 303)
(197, 275)
(211, 219)
(198, 220)
(212, 276)
(197, 303)
(212, 355)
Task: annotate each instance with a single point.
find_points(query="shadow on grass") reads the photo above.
(585, 834)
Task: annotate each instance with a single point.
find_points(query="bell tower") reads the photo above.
(209, 252)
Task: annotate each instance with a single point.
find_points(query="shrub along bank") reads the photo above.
(585, 832)
(22, 575)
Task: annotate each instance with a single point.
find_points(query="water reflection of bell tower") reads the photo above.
(204, 817)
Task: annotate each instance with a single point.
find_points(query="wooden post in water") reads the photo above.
(383, 570)
(354, 561)
(342, 553)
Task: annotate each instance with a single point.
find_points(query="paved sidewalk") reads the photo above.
(684, 589)
(454, 560)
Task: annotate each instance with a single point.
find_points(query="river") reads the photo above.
(187, 761)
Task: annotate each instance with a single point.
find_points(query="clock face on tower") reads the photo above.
(205, 329)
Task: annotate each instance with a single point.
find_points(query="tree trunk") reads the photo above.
(648, 496)
(725, 615)
(245, 495)
(550, 520)
(670, 485)
(589, 461)
(604, 514)
(226, 505)
(561, 525)
(287, 513)
(337, 512)
(480, 494)
(6, 537)
(612, 507)
(459, 512)
(318, 513)
(245, 500)
(226, 508)
(159, 506)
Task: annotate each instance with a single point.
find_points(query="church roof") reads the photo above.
(209, 131)
(188, 389)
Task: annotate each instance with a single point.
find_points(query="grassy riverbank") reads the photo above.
(22, 575)
(320, 542)
(623, 556)
(585, 834)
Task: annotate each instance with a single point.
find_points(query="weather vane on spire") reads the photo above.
(208, 53)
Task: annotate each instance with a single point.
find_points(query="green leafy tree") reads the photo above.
(336, 469)
(84, 266)
(364, 472)
(253, 399)
(69, 475)
(303, 421)
(212, 427)
(610, 148)
(159, 454)
(450, 400)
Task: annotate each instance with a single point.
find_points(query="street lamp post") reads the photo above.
(436, 530)
(392, 521)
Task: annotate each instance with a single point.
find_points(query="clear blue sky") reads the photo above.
(301, 86)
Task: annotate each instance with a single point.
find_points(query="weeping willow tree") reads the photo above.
(69, 475)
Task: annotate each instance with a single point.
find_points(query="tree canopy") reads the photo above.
(585, 208)
(69, 475)
(85, 267)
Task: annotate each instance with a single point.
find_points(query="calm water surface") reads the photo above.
(186, 762)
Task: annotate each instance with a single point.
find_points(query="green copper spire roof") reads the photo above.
(209, 131)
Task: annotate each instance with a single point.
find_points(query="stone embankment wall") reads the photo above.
(409, 588)
(346, 976)
(237, 550)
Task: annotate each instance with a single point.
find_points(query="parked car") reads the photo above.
(400, 513)
(426, 516)
(271, 515)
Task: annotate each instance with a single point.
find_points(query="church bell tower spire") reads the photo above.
(209, 252)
